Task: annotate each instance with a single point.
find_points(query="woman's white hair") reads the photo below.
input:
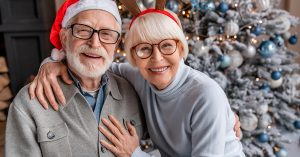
(152, 28)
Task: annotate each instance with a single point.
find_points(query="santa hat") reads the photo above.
(71, 8)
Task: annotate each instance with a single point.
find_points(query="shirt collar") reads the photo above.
(104, 81)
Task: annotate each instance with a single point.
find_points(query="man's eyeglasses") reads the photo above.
(85, 32)
(166, 47)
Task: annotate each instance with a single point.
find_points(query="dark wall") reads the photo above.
(25, 27)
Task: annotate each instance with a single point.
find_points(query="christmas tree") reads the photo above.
(242, 44)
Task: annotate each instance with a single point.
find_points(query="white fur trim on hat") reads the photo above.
(57, 55)
(82, 5)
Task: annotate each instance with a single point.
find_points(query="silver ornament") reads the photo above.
(231, 28)
(236, 59)
(262, 108)
(283, 24)
(264, 121)
(248, 122)
(262, 5)
(199, 49)
(287, 35)
(275, 83)
(148, 3)
(250, 52)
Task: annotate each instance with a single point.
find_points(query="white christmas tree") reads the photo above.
(242, 44)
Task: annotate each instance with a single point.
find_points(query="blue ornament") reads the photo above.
(172, 5)
(281, 153)
(293, 40)
(223, 7)
(225, 61)
(263, 137)
(267, 49)
(276, 75)
(297, 124)
(207, 6)
(257, 30)
(265, 87)
(278, 40)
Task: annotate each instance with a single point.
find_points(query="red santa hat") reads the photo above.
(71, 8)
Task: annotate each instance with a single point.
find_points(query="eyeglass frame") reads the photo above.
(152, 45)
(94, 31)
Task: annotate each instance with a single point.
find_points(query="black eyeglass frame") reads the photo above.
(94, 31)
(176, 42)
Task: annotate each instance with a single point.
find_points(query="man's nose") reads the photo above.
(94, 42)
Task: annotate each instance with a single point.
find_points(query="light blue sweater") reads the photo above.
(191, 117)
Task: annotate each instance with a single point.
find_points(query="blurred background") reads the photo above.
(24, 43)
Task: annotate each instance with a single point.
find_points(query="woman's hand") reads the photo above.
(237, 127)
(45, 86)
(123, 142)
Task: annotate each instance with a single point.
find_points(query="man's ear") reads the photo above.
(63, 37)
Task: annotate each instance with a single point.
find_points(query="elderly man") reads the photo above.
(88, 32)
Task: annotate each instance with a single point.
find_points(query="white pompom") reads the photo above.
(57, 55)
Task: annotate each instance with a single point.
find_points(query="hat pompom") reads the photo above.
(57, 55)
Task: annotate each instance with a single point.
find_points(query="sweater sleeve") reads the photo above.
(208, 123)
(128, 72)
(20, 137)
(139, 153)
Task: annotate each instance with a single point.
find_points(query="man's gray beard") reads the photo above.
(87, 70)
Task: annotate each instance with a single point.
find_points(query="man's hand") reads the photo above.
(123, 142)
(45, 86)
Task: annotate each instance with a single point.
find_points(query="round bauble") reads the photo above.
(293, 40)
(262, 5)
(264, 121)
(148, 3)
(267, 49)
(248, 122)
(297, 124)
(173, 5)
(225, 61)
(223, 7)
(276, 83)
(257, 30)
(278, 40)
(263, 137)
(236, 59)
(281, 153)
(276, 75)
(250, 52)
(231, 28)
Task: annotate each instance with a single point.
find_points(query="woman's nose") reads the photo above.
(156, 54)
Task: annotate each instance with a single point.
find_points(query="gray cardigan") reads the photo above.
(33, 131)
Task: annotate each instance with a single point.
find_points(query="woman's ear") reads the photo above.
(181, 50)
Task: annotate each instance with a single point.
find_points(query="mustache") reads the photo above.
(87, 49)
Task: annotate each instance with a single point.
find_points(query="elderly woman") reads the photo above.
(187, 113)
